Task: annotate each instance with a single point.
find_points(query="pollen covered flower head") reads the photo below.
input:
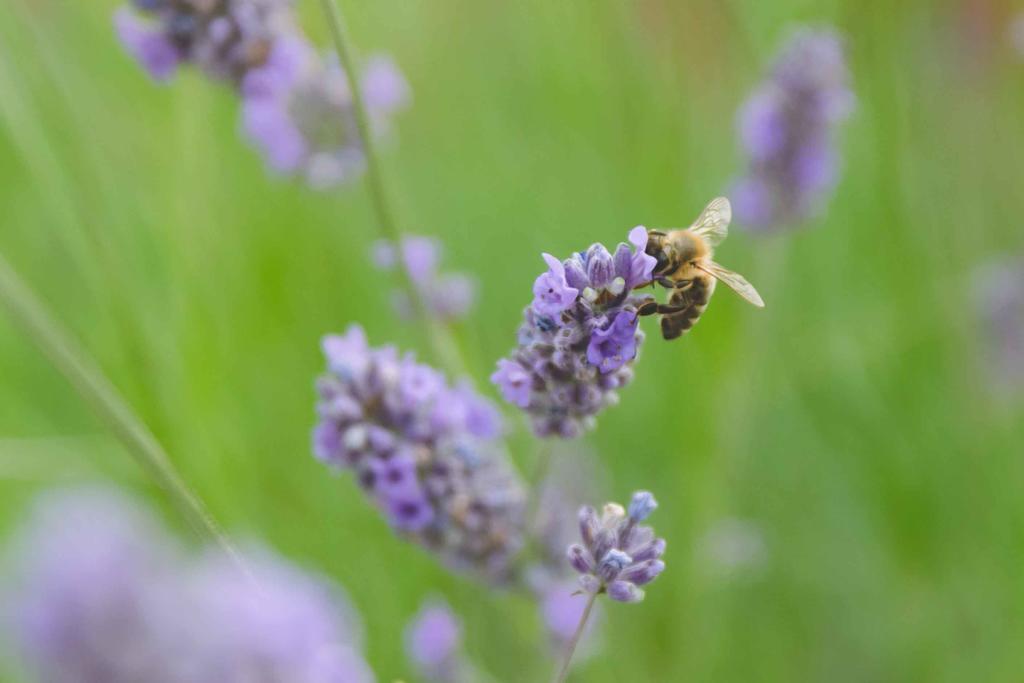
(787, 126)
(449, 296)
(578, 337)
(618, 555)
(428, 453)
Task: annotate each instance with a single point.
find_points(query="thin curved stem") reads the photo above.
(444, 346)
(563, 671)
(85, 376)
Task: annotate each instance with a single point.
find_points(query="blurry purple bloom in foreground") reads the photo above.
(618, 555)
(786, 128)
(999, 299)
(298, 110)
(448, 296)
(426, 452)
(280, 625)
(103, 596)
(578, 338)
(91, 570)
(224, 39)
(433, 641)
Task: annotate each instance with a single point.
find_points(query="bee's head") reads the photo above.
(656, 244)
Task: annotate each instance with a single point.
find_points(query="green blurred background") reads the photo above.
(849, 422)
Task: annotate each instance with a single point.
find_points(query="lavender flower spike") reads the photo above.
(579, 337)
(787, 127)
(224, 39)
(617, 555)
(427, 453)
(298, 110)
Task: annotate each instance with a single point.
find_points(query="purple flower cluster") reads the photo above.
(999, 299)
(618, 555)
(224, 38)
(433, 642)
(104, 595)
(786, 128)
(296, 105)
(578, 338)
(297, 109)
(449, 296)
(427, 453)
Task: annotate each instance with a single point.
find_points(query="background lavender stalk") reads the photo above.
(786, 128)
(449, 295)
(103, 398)
(443, 343)
(433, 643)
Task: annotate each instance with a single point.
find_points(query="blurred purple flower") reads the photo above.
(280, 624)
(578, 338)
(91, 568)
(433, 642)
(296, 105)
(999, 299)
(150, 46)
(786, 128)
(618, 555)
(448, 296)
(304, 102)
(223, 39)
(104, 596)
(427, 453)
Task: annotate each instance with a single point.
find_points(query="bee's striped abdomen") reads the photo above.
(695, 299)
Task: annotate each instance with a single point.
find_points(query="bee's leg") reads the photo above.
(648, 307)
(682, 285)
(669, 309)
(665, 282)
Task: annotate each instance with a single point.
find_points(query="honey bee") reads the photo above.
(684, 266)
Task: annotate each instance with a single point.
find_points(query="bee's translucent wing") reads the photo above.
(713, 223)
(736, 281)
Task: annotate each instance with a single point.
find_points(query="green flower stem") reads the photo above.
(440, 337)
(563, 671)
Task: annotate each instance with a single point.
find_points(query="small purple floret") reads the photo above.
(617, 555)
